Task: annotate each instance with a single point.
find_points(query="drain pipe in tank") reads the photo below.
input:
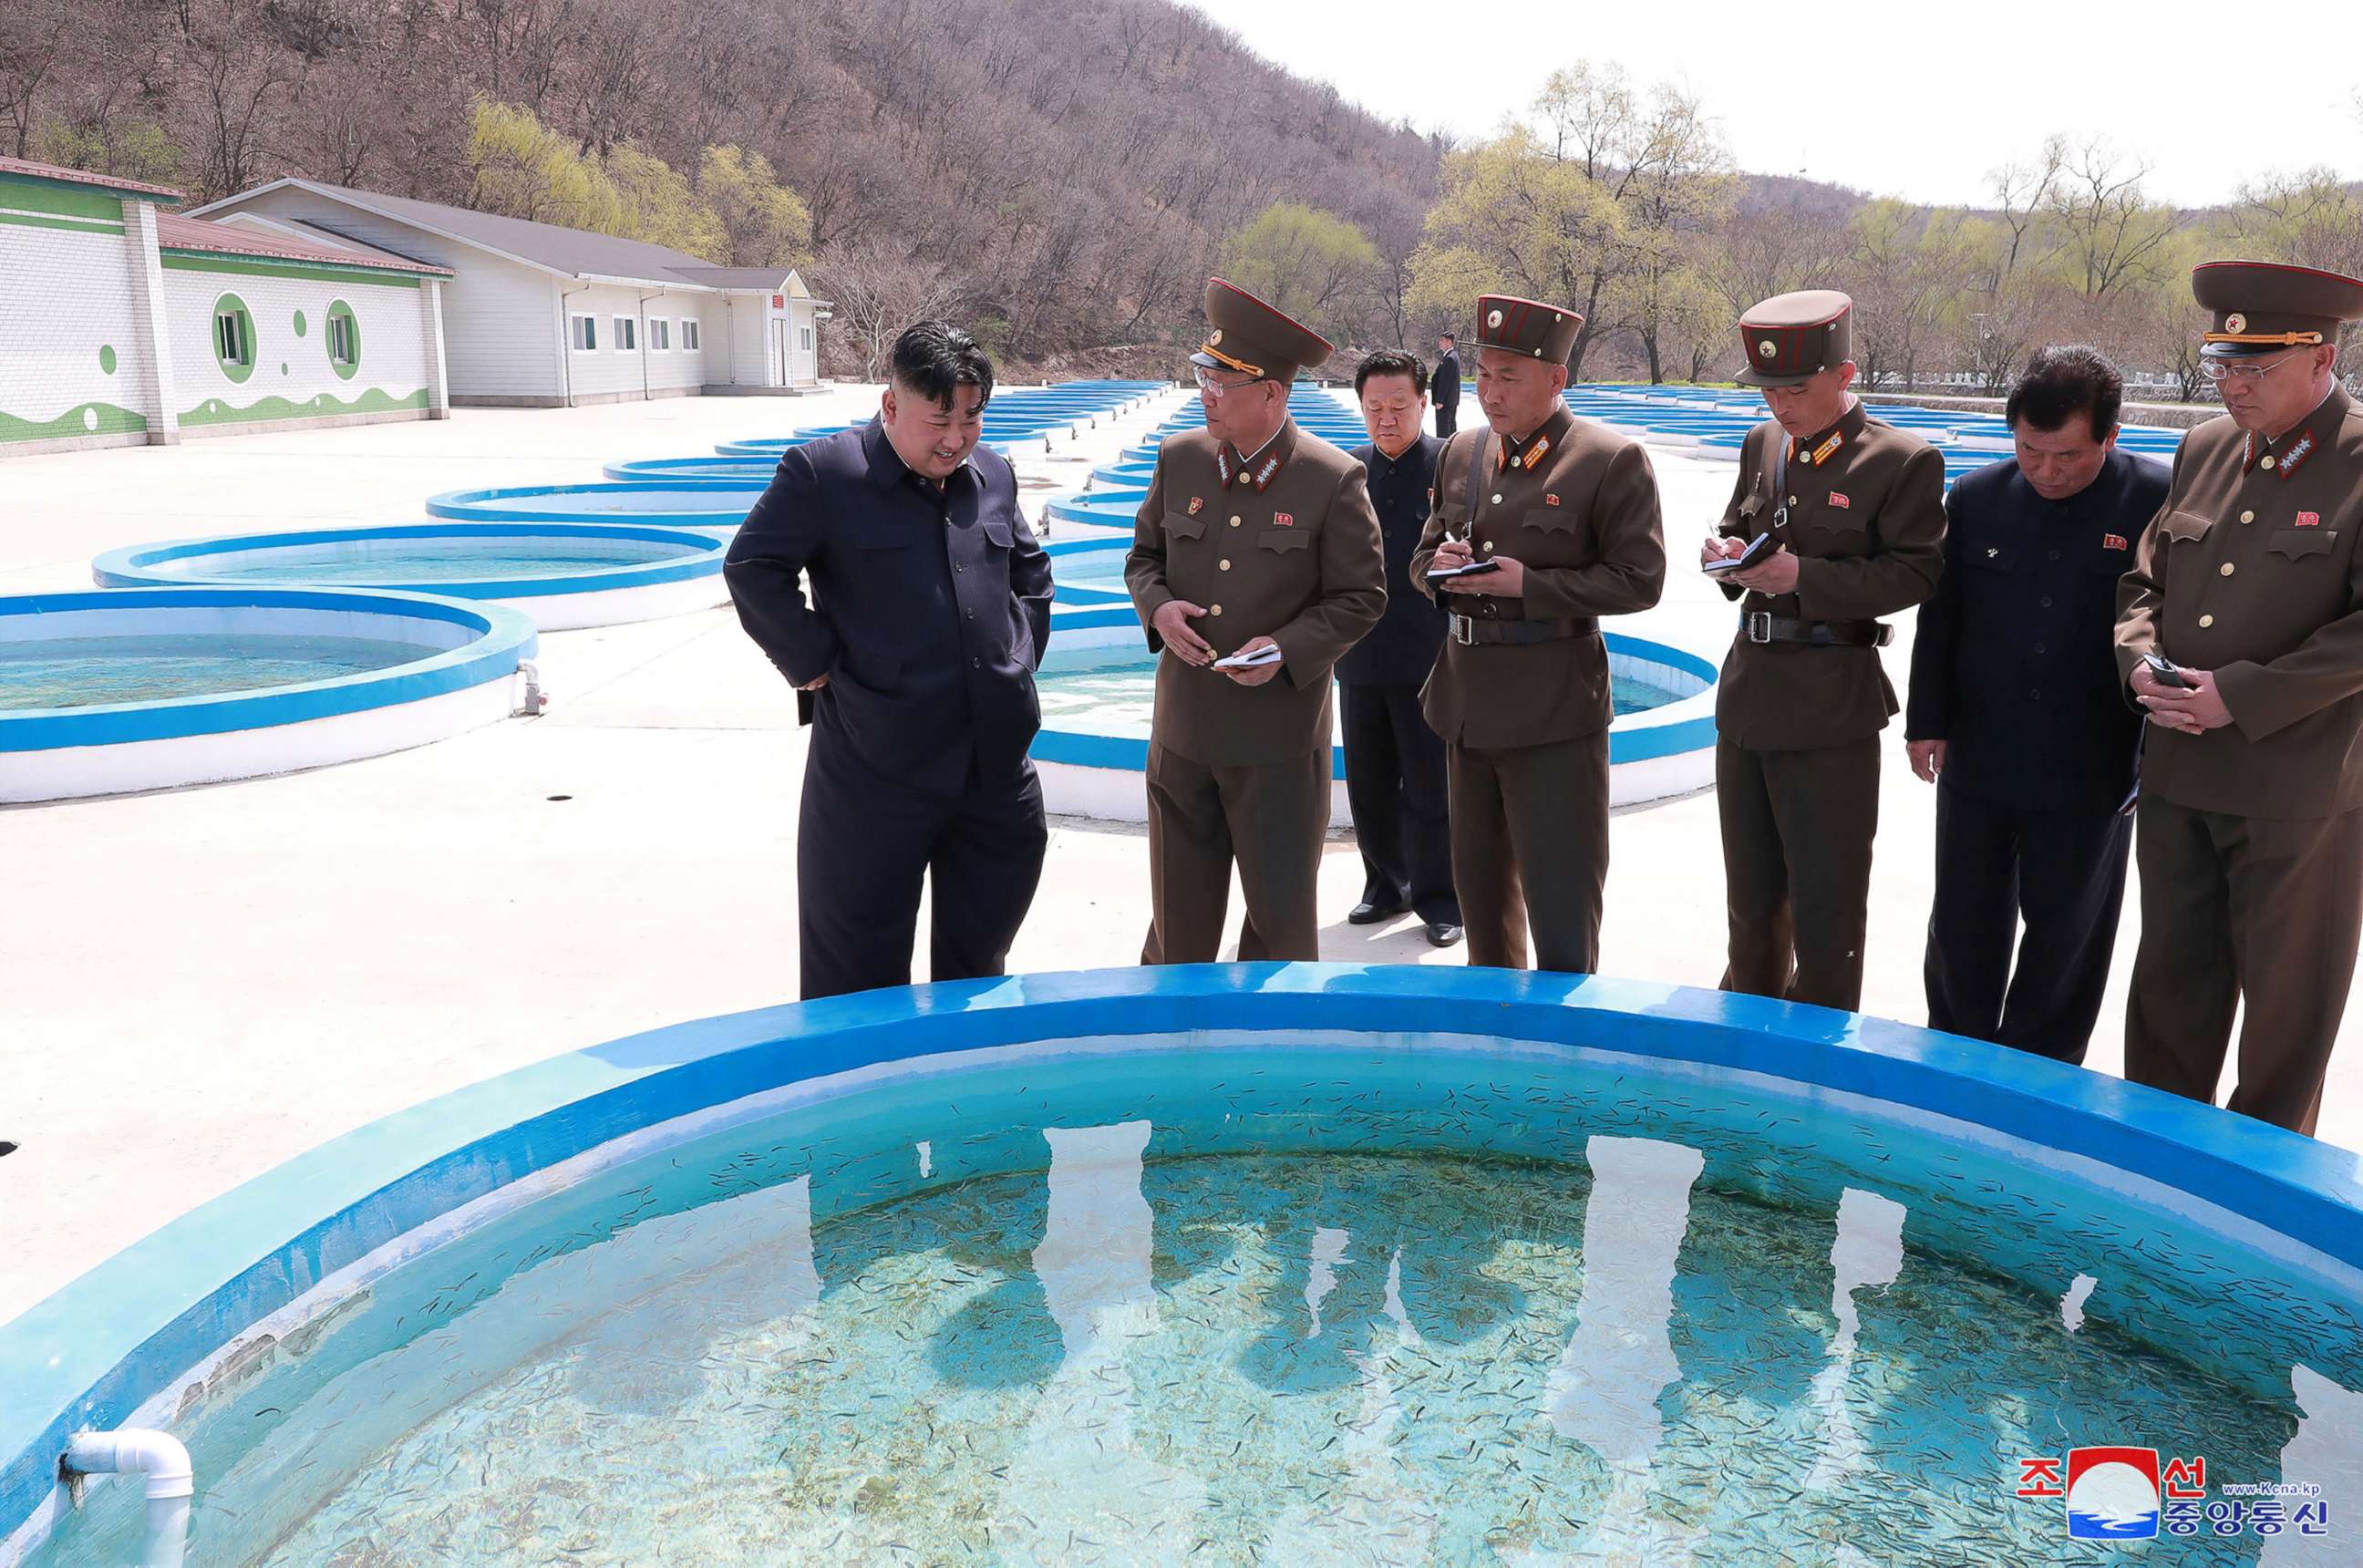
(163, 1459)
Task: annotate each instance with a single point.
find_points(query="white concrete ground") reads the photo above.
(196, 986)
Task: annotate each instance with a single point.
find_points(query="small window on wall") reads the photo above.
(689, 333)
(586, 333)
(344, 337)
(234, 337)
(627, 339)
(803, 338)
(660, 333)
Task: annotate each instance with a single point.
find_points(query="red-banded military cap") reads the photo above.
(2262, 307)
(1792, 337)
(1248, 336)
(1527, 327)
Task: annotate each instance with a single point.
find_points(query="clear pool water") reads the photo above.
(1113, 691)
(377, 562)
(80, 671)
(1296, 1301)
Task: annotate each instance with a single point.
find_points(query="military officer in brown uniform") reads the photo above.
(1567, 513)
(2250, 832)
(1254, 535)
(1856, 509)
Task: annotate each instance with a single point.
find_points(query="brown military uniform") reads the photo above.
(2250, 837)
(1520, 690)
(1802, 695)
(1279, 543)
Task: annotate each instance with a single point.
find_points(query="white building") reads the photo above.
(121, 325)
(540, 315)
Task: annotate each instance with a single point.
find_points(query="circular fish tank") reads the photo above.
(1239, 1264)
(753, 471)
(1099, 508)
(1097, 686)
(563, 576)
(656, 503)
(1088, 572)
(112, 691)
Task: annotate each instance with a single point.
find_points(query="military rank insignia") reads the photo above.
(2114, 542)
(1535, 454)
(1827, 448)
(1196, 503)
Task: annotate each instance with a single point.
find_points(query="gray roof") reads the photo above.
(572, 252)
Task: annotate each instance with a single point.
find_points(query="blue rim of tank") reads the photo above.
(503, 637)
(90, 1354)
(484, 505)
(1065, 593)
(147, 565)
(1627, 741)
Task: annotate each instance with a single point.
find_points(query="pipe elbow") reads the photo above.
(162, 1458)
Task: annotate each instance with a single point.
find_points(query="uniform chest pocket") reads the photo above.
(2184, 526)
(997, 534)
(2296, 544)
(1830, 539)
(1549, 520)
(1182, 525)
(1291, 538)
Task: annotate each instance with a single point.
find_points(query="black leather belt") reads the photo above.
(1762, 626)
(1469, 629)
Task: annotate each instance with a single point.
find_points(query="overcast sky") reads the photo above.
(1893, 97)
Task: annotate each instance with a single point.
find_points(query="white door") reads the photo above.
(806, 360)
(775, 363)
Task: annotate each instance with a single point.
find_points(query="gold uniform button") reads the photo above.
(1497, 500)
(2224, 570)
(1489, 547)
(2206, 621)
(2248, 516)
(1214, 609)
(1235, 522)
(2265, 461)
(1223, 564)
(1792, 500)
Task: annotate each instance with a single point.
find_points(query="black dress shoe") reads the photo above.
(1368, 914)
(1442, 933)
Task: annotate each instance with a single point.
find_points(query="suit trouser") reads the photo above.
(1797, 828)
(1530, 849)
(1395, 787)
(866, 843)
(2063, 871)
(2259, 911)
(1447, 417)
(1271, 819)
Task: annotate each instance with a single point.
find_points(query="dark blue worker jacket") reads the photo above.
(928, 611)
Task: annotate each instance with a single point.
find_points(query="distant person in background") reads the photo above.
(1394, 763)
(914, 661)
(2017, 715)
(1445, 385)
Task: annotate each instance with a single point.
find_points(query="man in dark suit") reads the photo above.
(1446, 385)
(1394, 763)
(914, 663)
(2017, 716)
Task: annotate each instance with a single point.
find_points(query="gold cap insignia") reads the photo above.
(1493, 318)
(1215, 338)
(2235, 322)
(1767, 347)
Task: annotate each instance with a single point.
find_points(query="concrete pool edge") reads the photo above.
(122, 1334)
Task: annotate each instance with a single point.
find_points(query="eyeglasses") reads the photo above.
(2243, 369)
(1214, 389)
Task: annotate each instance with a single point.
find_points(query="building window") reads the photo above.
(234, 337)
(586, 333)
(689, 333)
(627, 338)
(344, 340)
(803, 336)
(660, 333)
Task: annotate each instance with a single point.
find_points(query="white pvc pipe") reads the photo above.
(163, 1459)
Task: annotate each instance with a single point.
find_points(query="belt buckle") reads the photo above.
(1758, 624)
(1464, 630)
